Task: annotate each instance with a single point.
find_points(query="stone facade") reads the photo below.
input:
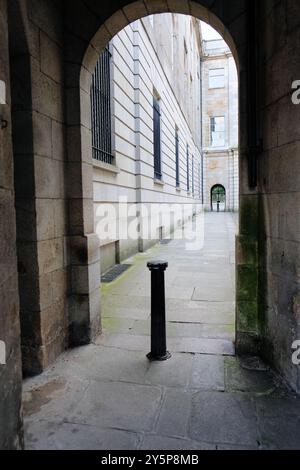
(159, 54)
(54, 47)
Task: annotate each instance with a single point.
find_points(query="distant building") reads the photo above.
(219, 123)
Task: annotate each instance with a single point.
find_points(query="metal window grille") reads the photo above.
(200, 189)
(101, 110)
(193, 177)
(157, 138)
(187, 169)
(177, 158)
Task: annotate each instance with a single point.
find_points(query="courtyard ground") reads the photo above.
(108, 396)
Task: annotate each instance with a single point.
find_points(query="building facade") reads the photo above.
(147, 173)
(164, 105)
(220, 124)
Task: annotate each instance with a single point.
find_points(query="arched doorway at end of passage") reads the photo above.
(218, 198)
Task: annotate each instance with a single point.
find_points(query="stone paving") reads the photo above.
(109, 396)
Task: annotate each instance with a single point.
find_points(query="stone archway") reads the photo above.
(87, 53)
(59, 234)
(79, 126)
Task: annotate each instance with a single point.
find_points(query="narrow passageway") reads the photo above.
(199, 292)
(109, 396)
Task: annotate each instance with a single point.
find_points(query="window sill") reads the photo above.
(106, 166)
(158, 182)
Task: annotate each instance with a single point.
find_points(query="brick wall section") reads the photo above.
(10, 374)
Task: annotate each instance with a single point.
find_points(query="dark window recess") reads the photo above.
(177, 158)
(157, 139)
(187, 169)
(200, 189)
(101, 110)
(193, 179)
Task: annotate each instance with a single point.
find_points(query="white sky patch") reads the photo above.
(209, 33)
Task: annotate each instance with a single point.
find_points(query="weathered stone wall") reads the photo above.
(279, 185)
(10, 373)
(36, 44)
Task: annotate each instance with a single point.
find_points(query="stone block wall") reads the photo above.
(36, 44)
(279, 185)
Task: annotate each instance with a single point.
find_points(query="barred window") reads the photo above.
(101, 110)
(193, 176)
(187, 169)
(157, 138)
(177, 158)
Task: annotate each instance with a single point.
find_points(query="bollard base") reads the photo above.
(153, 357)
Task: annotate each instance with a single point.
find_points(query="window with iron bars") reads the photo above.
(101, 110)
(187, 169)
(157, 138)
(193, 176)
(177, 158)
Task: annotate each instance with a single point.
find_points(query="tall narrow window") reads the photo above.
(101, 110)
(217, 131)
(177, 158)
(193, 179)
(187, 169)
(157, 138)
(200, 182)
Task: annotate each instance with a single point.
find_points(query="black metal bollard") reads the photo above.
(158, 312)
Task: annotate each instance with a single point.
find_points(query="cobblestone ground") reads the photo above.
(109, 396)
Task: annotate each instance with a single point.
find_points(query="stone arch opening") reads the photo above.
(81, 131)
(74, 279)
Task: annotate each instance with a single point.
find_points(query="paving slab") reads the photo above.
(224, 418)
(175, 413)
(279, 423)
(54, 398)
(155, 442)
(207, 373)
(118, 405)
(221, 292)
(202, 346)
(45, 435)
(174, 372)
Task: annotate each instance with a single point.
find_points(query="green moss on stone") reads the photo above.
(249, 216)
(246, 283)
(247, 316)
